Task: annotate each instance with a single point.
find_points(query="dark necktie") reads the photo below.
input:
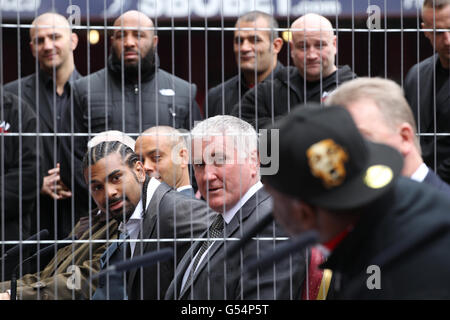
(215, 231)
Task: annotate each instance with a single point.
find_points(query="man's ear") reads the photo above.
(184, 156)
(74, 38)
(407, 135)
(277, 45)
(291, 47)
(140, 171)
(155, 41)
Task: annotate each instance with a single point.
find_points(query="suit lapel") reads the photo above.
(230, 231)
(148, 226)
(426, 86)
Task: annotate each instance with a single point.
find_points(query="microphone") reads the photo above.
(298, 243)
(257, 228)
(43, 234)
(145, 260)
(43, 252)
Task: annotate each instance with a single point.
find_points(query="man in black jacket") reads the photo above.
(49, 93)
(315, 75)
(139, 95)
(427, 88)
(19, 182)
(256, 53)
(387, 235)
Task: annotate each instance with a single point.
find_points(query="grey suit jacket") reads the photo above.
(212, 282)
(170, 215)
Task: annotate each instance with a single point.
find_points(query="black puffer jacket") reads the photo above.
(278, 96)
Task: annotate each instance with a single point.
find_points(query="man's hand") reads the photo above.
(5, 296)
(53, 186)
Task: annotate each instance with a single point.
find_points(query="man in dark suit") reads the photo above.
(427, 88)
(383, 115)
(120, 188)
(386, 234)
(226, 164)
(164, 154)
(49, 93)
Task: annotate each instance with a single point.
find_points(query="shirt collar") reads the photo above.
(229, 214)
(47, 79)
(137, 213)
(420, 174)
(184, 188)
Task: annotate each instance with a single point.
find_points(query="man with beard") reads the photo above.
(146, 209)
(131, 93)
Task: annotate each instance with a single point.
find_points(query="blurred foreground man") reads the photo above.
(386, 234)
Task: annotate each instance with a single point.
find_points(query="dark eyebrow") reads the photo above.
(113, 173)
(109, 176)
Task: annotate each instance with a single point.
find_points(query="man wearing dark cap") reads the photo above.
(387, 235)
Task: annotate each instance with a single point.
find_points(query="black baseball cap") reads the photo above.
(324, 160)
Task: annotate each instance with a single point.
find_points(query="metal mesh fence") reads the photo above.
(55, 111)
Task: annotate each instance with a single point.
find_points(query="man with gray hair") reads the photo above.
(256, 53)
(383, 115)
(427, 88)
(314, 76)
(226, 164)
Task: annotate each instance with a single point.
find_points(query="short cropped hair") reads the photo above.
(386, 94)
(252, 16)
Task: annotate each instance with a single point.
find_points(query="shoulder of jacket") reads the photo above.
(178, 82)
(13, 85)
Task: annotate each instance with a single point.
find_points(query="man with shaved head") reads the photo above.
(49, 93)
(164, 154)
(314, 76)
(131, 93)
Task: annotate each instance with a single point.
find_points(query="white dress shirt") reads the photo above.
(133, 224)
(421, 172)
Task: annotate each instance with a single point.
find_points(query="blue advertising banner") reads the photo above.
(12, 10)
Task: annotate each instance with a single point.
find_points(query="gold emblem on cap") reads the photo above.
(326, 159)
(378, 176)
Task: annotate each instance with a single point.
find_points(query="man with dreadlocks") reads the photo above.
(146, 209)
(65, 276)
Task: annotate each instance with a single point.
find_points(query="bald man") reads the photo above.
(48, 92)
(131, 93)
(314, 76)
(164, 154)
